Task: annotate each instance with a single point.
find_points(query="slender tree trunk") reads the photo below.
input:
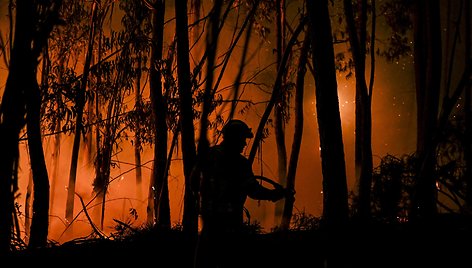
(101, 166)
(40, 220)
(22, 97)
(103, 161)
(242, 64)
(190, 217)
(80, 104)
(281, 106)
(150, 216)
(297, 135)
(212, 34)
(12, 113)
(363, 133)
(137, 139)
(335, 205)
(161, 194)
(335, 199)
(275, 92)
(195, 9)
(427, 54)
(113, 127)
(56, 162)
(45, 74)
(227, 58)
(28, 202)
(468, 110)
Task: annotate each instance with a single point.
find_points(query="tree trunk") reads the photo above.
(80, 104)
(363, 133)
(12, 113)
(335, 200)
(22, 97)
(297, 135)
(427, 55)
(242, 64)
(190, 217)
(275, 92)
(137, 139)
(40, 220)
(281, 107)
(101, 163)
(248, 21)
(28, 202)
(161, 194)
(335, 203)
(56, 162)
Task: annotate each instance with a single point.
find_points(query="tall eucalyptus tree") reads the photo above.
(335, 203)
(79, 109)
(428, 65)
(159, 108)
(189, 150)
(20, 106)
(363, 143)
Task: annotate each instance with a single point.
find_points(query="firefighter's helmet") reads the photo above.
(237, 128)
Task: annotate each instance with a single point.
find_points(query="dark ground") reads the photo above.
(446, 245)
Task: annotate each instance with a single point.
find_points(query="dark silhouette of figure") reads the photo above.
(225, 180)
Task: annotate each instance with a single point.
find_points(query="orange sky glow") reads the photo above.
(393, 133)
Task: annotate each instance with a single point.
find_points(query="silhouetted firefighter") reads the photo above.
(224, 180)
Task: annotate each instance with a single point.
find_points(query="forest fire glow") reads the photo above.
(113, 107)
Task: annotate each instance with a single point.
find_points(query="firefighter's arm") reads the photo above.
(259, 192)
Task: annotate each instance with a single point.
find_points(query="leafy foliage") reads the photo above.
(397, 17)
(452, 166)
(303, 221)
(392, 187)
